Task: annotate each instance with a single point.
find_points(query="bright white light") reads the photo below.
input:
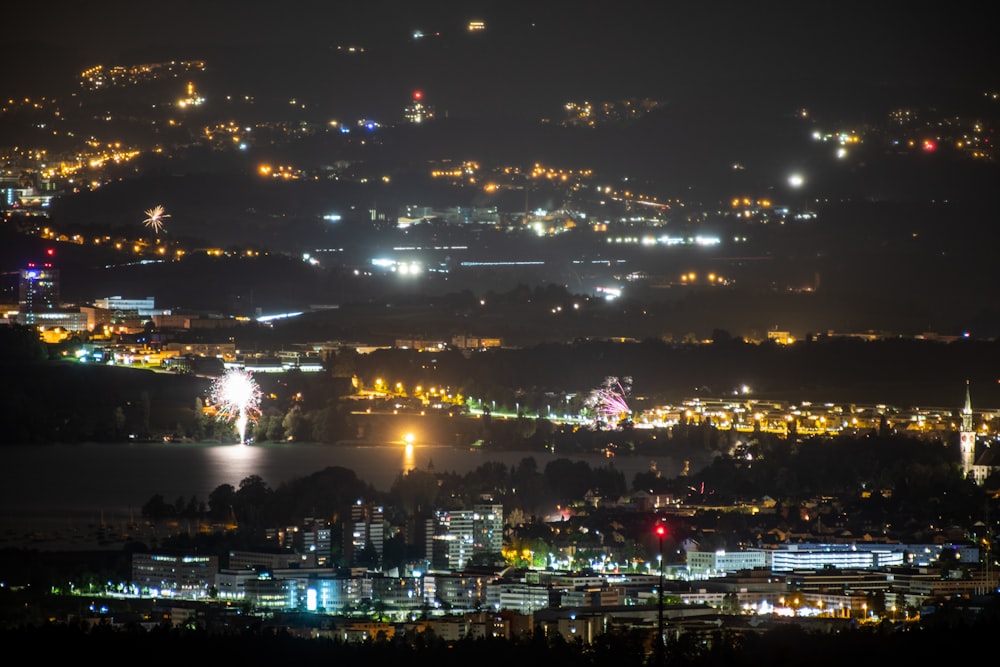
(610, 293)
(796, 180)
(237, 398)
(279, 316)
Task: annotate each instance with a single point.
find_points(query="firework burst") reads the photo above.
(610, 400)
(236, 396)
(154, 218)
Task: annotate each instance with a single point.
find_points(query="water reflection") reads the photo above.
(409, 460)
(234, 462)
(86, 479)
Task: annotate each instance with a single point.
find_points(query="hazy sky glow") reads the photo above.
(529, 50)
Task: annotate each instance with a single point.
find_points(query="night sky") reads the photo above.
(533, 54)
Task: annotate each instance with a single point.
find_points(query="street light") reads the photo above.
(661, 531)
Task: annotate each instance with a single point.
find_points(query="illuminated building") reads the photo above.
(366, 530)
(462, 534)
(317, 540)
(967, 437)
(464, 342)
(10, 187)
(39, 301)
(417, 111)
(38, 291)
(128, 307)
(788, 557)
(268, 592)
(180, 576)
(844, 556)
(710, 563)
(270, 561)
(456, 590)
(518, 596)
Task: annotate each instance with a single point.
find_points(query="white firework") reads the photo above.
(154, 218)
(236, 396)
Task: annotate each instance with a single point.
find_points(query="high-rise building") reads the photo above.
(460, 535)
(418, 111)
(317, 539)
(365, 530)
(38, 291)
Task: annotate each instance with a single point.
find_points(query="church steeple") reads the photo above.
(967, 436)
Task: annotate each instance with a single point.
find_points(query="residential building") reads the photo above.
(460, 535)
(364, 531)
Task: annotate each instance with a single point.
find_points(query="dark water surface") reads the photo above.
(106, 482)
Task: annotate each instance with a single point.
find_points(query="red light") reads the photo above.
(929, 145)
(661, 530)
(417, 95)
(50, 252)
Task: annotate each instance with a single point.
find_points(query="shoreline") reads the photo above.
(81, 533)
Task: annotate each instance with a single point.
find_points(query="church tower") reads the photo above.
(967, 436)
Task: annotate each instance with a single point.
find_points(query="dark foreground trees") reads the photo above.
(781, 644)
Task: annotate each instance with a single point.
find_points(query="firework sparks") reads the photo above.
(237, 398)
(610, 400)
(154, 218)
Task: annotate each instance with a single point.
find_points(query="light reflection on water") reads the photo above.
(234, 462)
(97, 479)
(409, 461)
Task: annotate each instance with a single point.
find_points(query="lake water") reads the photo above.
(108, 482)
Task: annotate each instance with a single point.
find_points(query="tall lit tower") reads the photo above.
(418, 111)
(967, 436)
(38, 289)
